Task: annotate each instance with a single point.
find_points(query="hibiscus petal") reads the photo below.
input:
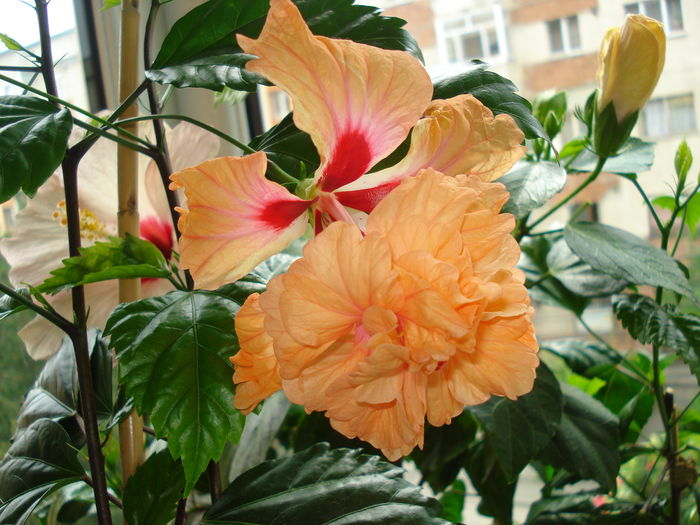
(256, 370)
(236, 218)
(357, 102)
(455, 136)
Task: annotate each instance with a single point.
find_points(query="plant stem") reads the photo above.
(111, 497)
(61, 322)
(56, 100)
(30, 69)
(131, 435)
(214, 480)
(180, 513)
(672, 455)
(102, 132)
(78, 331)
(658, 222)
(591, 177)
(224, 136)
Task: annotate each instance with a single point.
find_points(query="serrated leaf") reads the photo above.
(532, 184)
(40, 460)
(664, 326)
(578, 276)
(173, 352)
(636, 156)
(33, 138)
(623, 255)
(152, 492)
(117, 258)
(324, 486)
(201, 50)
(583, 357)
(257, 279)
(495, 92)
(587, 439)
(520, 429)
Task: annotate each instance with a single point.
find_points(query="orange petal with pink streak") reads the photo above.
(357, 102)
(455, 136)
(236, 218)
(256, 370)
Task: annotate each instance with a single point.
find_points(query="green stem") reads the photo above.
(210, 129)
(54, 318)
(102, 132)
(658, 222)
(682, 412)
(65, 103)
(591, 177)
(31, 69)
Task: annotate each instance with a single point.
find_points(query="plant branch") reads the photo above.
(111, 497)
(180, 514)
(30, 69)
(641, 191)
(54, 318)
(102, 132)
(244, 147)
(591, 177)
(78, 331)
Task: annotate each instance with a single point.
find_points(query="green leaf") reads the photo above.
(109, 4)
(636, 156)
(550, 109)
(495, 92)
(33, 138)
(116, 258)
(663, 326)
(445, 451)
(151, 494)
(257, 279)
(692, 213)
(101, 363)
(201, 50)
(323, 486)
(11, 43)
(578, 276)
(548, 289)
(572, 148)
(452, 501)
(520, 429)
(683, 160)
(583, 357)
(173, 353)
(532, 184)
(623, 255)
(490, 482)
(586, 440)
(40, 460)
(665, 201)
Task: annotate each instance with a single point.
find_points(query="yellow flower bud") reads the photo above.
(631, 60)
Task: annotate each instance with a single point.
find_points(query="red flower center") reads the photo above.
(159, 233)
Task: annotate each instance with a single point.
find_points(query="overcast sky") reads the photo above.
(18, 19)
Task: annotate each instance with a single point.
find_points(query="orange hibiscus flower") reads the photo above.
(358, 103)
(424, 314)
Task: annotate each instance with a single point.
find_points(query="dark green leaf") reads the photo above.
(663, 326)
(547, 289)
(452, 501)
(583, 357)
(578, 276)
(531, 185)
(683, 160)
(495, 92)
(101, 364)
(257, 279)
(520, 429)
(40, 460)
(490, 482)
(33, 138)
(117, 258)
(636, 156)
(623, 255)
(151, 494)
(323, 486)
(445, 451)
(201, 50)
(586, 440)
(173, 353)
(569, 509)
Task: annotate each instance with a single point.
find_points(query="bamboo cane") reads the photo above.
(131, 429)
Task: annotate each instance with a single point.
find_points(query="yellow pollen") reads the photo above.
(91, 229)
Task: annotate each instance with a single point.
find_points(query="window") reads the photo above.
(669, 116)
(473, 34)
(564, 35)
(668, 12)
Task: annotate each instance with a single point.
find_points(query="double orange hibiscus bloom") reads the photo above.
(407, 304)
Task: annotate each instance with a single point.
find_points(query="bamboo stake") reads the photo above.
(131, 429)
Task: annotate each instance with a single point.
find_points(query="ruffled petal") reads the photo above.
(236, 218)
(455, 136)
(357, 102)
(256, 370)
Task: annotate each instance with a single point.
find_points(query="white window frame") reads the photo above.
(642, 9)
(442, 34)
(667, 117)
(565, 36)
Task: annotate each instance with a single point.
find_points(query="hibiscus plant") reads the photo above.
(276, 337)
